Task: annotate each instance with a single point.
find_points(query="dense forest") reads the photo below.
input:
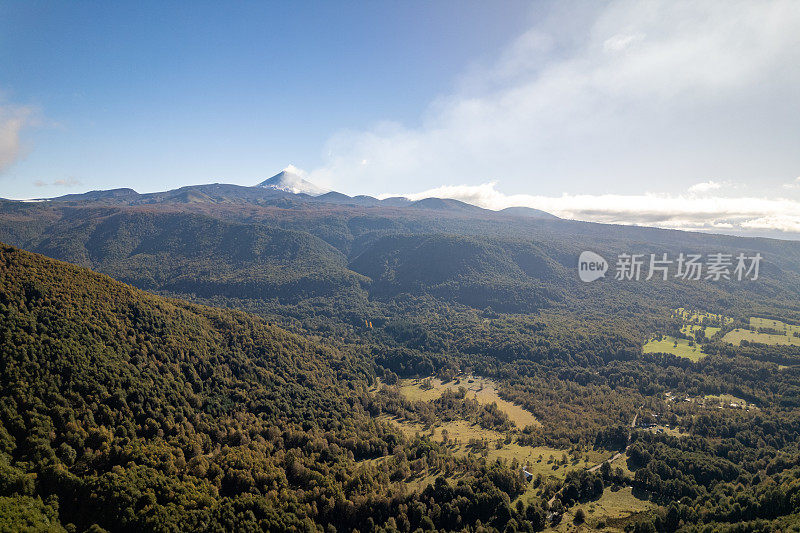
(130, 412)
(262, 381)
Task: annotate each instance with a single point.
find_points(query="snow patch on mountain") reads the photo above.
(291, 179)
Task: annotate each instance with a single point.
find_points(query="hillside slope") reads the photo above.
(134, 411)
(127, 411)
(195, 254)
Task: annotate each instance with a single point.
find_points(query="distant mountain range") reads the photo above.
(263, 247)
(287, 188)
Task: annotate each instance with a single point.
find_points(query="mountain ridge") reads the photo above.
(285, 188)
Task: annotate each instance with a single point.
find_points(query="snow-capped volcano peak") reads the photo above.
(291, 179)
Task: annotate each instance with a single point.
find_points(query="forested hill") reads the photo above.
(313, 260)
(133, 411)
(196, 254)
(125, 411)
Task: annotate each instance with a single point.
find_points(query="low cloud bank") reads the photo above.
(658, 94)
(686, 212)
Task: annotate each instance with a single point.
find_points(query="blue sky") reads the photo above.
(672, 113)
(154, 95)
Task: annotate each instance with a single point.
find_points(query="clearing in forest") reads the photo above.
(680, 347)
(542, 460)
(787, 329)
(736, 337)
(727, 401)
(693, 322)
(457, 430)
(482, 389)
(692, 329)
(616, 508)
(779, 333)
(700, 317)
(538, 460)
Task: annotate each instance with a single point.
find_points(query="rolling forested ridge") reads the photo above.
(223, 358)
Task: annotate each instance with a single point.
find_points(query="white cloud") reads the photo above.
(291, 169)
(705, 186)
(620, 42)
(13, 119)
(787, 223)
(67, 182)
(793, 185)
(660, 210)
(635, 96)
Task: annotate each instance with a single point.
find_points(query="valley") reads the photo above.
(332, 363)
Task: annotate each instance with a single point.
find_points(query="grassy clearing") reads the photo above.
(788, 329)
(614, 507)
(462, 432)
(700, 317)
(673, 432)
(419, 483)
(736, 337)
(539, 459)
(409, 429)
(544, 460)
(547, 462)
(458, 431)
(694, 322)
(621, 462)
(611, 512)
(712, 401)
(787, 336)
(727, 401)
(482, 389)
(679, 347)
(691, 329)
